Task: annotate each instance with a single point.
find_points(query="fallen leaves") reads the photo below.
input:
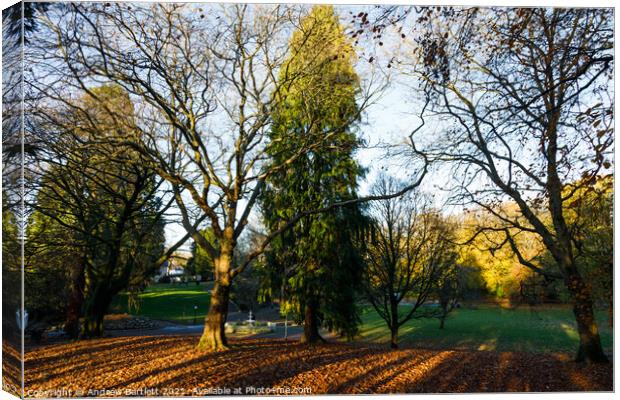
(171, 366)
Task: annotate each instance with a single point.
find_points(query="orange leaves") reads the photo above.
(171, 366)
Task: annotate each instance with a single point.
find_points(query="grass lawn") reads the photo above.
(482, 328)
(169, 302)
(490, 328)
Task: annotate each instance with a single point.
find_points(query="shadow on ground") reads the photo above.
(168, 363)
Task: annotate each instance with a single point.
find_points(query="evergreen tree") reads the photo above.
(315, 264)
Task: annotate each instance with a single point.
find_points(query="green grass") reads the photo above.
(169, 302)
(489, 328)
(483, 328)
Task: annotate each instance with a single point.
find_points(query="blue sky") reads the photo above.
(388, 121)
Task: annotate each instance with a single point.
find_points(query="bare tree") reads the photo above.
(204, 82)
(408, 255)
(525, 104)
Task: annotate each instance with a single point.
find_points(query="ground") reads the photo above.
(481, 349)
(170, 365)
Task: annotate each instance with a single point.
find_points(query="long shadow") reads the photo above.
(299, 359)
(237, 353)
(511, 372)
(448, 376)
(387, 384)
(359, 379)
(78, 348)
(270, 363)
(11, 365)
(85, 355)
(98, 360)
(10, 354)
(170, 367)
(266, 375)
(441, 377)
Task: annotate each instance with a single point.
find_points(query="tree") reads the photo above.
(53, 292)
(12, 177)
(526, 104)
(449, 290)
(205, 83)
(409, 254)
(591, 218)
(487, 251)
(11, 276)
(316, 262)
(100, 202)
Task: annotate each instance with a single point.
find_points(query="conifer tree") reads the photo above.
(315, 264)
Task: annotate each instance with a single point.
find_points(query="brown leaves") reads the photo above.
(162, 364)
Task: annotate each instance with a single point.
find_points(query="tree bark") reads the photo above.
(94, 311)
(97, 301)
(394, 337)
(311, 325)
(93, 326)
(76, 302)
(590, 348)
(394, 324)
(214, 335)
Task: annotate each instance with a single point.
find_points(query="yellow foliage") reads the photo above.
(489, 252)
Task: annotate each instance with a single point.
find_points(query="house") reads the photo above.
(175, 265)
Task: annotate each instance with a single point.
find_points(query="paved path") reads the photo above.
(293, 332)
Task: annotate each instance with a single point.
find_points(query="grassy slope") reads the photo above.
(490, 328)
(484, 328)
(169, 302)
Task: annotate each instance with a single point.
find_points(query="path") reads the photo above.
(293, 332)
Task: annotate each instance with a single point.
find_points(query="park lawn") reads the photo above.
(552, 329)
(169, 302)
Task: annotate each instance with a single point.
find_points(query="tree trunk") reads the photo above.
(93, 321)
(311, 325)
(394, 337)
(394, 324)
(444, 312)
(95, 307)
(610, 305)
(76, 302)
(590, 348)
(214, 336)
(93, 326)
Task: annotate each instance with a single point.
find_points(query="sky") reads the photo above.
(389, 120)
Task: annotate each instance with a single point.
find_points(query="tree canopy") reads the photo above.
(315, 266)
